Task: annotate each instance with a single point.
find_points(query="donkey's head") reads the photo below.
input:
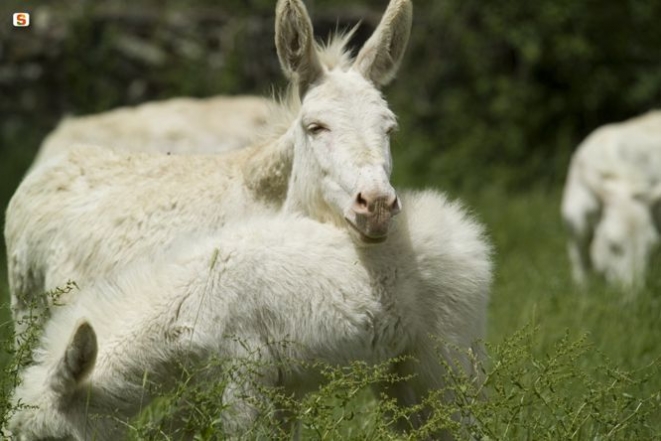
(627, 234)
(342, 161)
(55, 400)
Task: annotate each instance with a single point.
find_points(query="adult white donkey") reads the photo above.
(89, 210)
(612, 201)
(279, 291)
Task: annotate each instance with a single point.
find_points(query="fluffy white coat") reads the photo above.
(239, 292)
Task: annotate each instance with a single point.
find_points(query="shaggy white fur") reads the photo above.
(239, 292)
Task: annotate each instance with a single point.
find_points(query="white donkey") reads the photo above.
(174, 126)
(612, 201)
(238, 293)
(90, 210)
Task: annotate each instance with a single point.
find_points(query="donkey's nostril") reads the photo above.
(395, 207)
(360, 201)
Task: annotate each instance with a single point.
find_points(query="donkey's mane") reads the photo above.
(333, 54)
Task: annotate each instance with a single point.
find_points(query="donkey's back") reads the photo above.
(81, 214)
(175, 126)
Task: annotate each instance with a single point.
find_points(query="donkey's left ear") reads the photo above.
(382, 54)
(294, 41)
(77, 362)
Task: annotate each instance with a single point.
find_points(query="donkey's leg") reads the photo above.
(244, 404)
(412, 392)
(581, 211)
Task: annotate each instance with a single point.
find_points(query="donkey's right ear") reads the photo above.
(382, 54)
(77, 362)
(294, 41)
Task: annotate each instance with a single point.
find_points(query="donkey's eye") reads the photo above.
(316, 128)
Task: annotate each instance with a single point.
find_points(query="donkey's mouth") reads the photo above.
(366, 238)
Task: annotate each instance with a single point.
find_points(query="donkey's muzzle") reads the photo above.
(373, 213)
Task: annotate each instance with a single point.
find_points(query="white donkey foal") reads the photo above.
(174, 126)
(240, 292)
(90, 210)
(612, 201)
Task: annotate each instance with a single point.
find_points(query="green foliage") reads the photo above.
(17, 349)
(559, 396)
(502, 92)
(190, 408)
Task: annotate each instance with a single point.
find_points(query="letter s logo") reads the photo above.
(21, 19)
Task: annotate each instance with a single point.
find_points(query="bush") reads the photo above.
(502, 92)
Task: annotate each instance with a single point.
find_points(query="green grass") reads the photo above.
(565, 363)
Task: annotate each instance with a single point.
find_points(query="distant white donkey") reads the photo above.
(242, 292)
(612, 201)
(174, 126)
(90, 210)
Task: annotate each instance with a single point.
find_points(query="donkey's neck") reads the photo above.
(306, 199)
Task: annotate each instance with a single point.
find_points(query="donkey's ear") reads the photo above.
(294, 42)
(382, 54)
(77, 362)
